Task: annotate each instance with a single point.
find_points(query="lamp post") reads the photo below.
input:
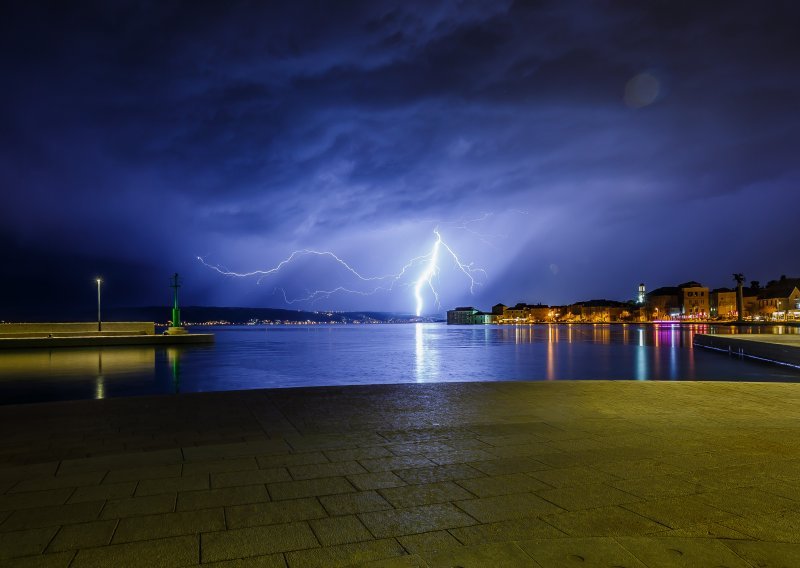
(99, 322)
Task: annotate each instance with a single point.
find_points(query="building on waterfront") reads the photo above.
(522, 313)
(664, 303)
(780, 300)
(723, 304)
(600, 311)
(468, 316)
(750, 301)
(694, 301)
(690, 301)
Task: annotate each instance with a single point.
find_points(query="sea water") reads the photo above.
(280, 356)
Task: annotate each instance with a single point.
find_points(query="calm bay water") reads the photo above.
(290, 356)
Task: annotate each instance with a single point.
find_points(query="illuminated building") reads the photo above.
(599, 311)
(694, 301)
(723, 303)
(780, 300)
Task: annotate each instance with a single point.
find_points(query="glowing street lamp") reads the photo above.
(99, 323)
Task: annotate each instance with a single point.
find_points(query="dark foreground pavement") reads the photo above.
(470, 474)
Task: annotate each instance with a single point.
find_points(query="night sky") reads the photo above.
(569, 149)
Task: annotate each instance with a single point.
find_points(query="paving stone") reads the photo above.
(452, 472)
(506, 507)
(14, 473)
(169, 524)
(418, 448)
(309, 488)
(378, 480)
(310, 443)
(535, 449)
(57, 482)
(505, 531)
(29, 500)
(137, 506)
(83, 535)
(681, 552)
(508, 465)
(256, 541)
(497, 554)
(26, 542)
(468, 444)
(675, 512)
(502, 485)
(172, 485)
(515, 440)
(274, 513)
(167, 552)
(410, 561)
(603, 521)
(778, 526)
(766, 554)
(57, 560)
(395, 463)
(426, 494)
(703, 530)
(430, 542)
(52, 516)
(658, 486)
(345, 554)
(587, 496)
(217, 466)
(194, 500)
(142, 473)
(340, 530)
(262, 447)
(458, 456)
(790, 490)
(598, 552)
(249, 477)
(349, 503)
(286, 460)
(747, 501)
(631, 469)
(570, 476)
(121, 461)
(269, 561)
(103, 492)
(423, 435)
(334, 469)
(415, 520)
(357, 453)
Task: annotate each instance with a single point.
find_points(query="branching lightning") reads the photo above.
(430, 272)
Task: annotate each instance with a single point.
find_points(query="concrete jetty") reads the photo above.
(544, 474)
(774, 348)
(80, 334)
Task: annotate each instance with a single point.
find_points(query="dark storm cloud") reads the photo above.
(158, 131)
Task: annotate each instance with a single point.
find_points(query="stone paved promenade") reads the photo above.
(470, 474)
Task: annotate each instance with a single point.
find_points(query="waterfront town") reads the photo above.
(777, 301)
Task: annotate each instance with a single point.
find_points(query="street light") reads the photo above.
(99, 324)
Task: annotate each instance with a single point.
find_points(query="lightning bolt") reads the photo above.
(386, 282)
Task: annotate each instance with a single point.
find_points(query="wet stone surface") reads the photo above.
(468, 474)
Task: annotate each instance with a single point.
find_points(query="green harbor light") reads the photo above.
(176, 311)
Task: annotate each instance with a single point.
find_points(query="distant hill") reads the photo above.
(200, 314)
